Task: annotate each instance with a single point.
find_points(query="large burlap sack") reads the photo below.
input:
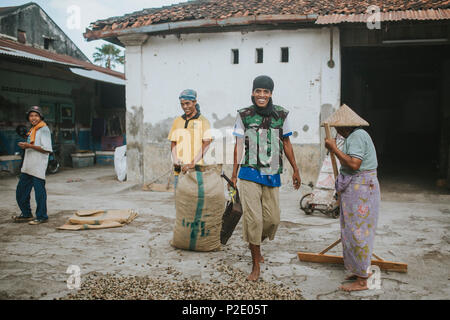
(200, 203)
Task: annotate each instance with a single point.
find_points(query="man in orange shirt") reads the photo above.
(190, 135)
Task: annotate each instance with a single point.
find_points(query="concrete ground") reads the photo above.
(413, 228)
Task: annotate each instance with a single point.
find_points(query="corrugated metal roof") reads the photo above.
(13, 48)
(95, 75)
(27, 55)
(431, 14)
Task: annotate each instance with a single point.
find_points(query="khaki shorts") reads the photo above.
(261, 211)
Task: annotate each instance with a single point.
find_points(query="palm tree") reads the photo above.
(108, 55)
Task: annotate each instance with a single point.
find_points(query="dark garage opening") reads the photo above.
(403, 91)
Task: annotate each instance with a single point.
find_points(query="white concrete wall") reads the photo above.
(203, 62)
(160, 67)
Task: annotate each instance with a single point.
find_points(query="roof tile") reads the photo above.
(222, 9)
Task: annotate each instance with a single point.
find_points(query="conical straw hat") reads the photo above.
(345, 117)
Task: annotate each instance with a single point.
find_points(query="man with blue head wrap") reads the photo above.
(190, 135)
(190, 95)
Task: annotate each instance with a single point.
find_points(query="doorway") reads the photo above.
(401, 92)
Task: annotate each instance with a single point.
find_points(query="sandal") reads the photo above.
(38, 221)
(22, 218)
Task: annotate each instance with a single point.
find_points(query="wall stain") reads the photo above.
(134, 146)
(226, 122)
(135, 121)
(158, 132)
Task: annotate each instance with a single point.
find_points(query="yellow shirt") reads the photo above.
(189, 135)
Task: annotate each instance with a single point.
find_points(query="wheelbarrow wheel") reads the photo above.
(335, 213)
(305, 206)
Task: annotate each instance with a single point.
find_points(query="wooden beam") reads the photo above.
(377, 257)
(330, 246)
(325, 258)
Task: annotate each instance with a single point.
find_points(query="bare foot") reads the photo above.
(359, 285)
(255, 273)
(256, 258)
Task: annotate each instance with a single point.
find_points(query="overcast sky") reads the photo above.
(63, 12)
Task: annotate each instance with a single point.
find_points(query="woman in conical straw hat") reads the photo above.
(359, 191)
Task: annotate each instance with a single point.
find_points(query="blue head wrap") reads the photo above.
(191, 95)
(188, 94)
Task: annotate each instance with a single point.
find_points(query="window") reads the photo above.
(235, 56)
(21, 36)
(259, 55)
(285, 54)
(48, 43)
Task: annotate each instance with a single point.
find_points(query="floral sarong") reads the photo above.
(360, 201)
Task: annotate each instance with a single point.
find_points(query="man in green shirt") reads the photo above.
(262, 134)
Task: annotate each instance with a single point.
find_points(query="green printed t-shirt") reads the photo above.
(359, 145)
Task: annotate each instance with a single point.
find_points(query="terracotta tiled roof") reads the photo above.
(223, 9)
(428, 14)
(58, 58)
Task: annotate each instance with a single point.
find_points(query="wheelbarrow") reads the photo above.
(323, 197)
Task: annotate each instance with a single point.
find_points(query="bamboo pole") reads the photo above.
(332, 155)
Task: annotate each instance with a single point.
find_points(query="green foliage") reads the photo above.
(108, 55)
